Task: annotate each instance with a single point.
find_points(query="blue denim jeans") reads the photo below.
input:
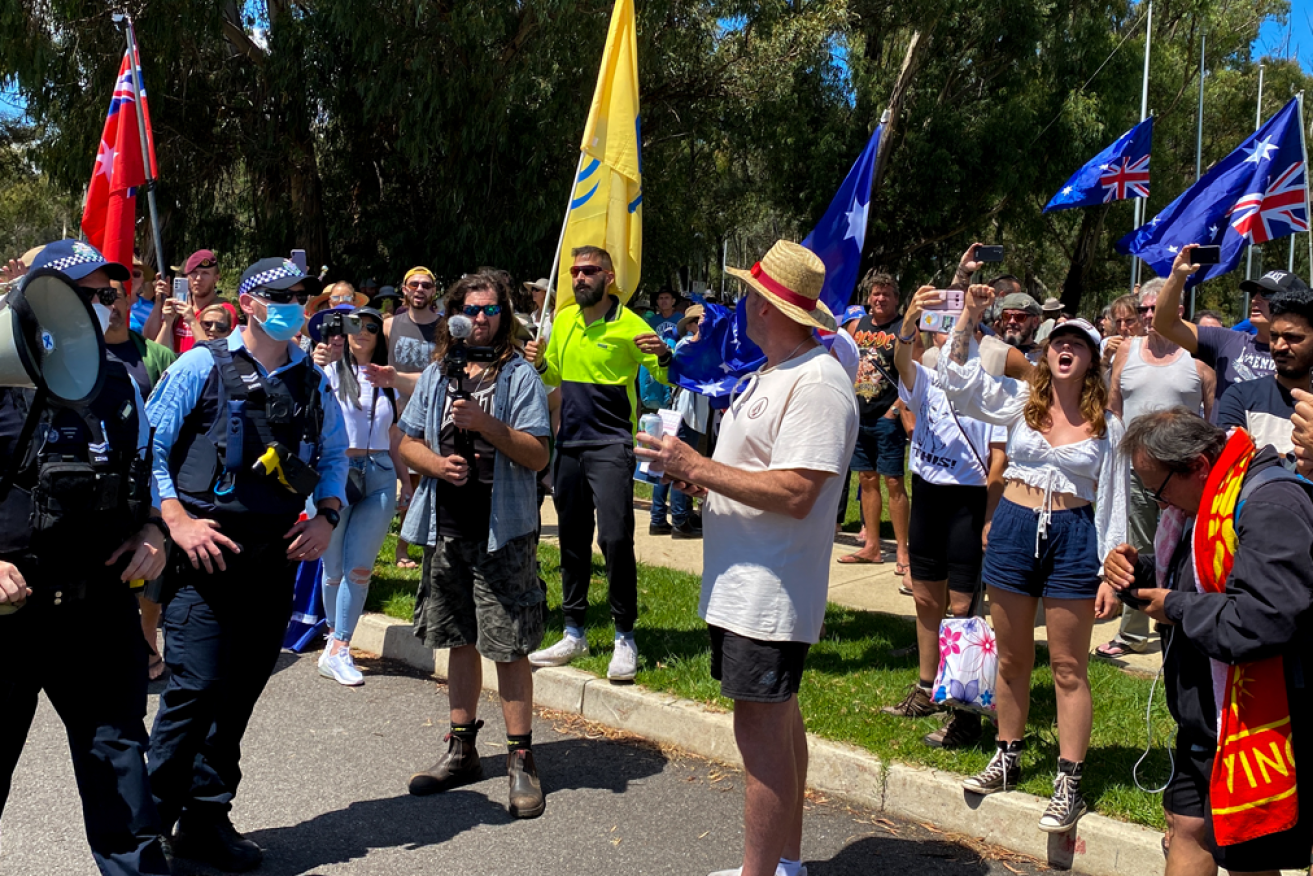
(356, 541)
(681, 506)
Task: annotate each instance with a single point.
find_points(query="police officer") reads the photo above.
(246, 431)
(77, 524)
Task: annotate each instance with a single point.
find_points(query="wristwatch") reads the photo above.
(331, 515)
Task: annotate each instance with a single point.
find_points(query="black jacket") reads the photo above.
(1264, 611)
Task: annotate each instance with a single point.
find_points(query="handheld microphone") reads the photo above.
(460, 327)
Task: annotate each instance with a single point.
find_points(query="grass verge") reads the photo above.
(850, 675)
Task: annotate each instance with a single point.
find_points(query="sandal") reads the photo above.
(858, 560)
(1114, 650)
(901, 569)
(406, 563)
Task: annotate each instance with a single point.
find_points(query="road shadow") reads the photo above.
(411, 823)
(917, 853)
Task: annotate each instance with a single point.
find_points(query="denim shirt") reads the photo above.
(521, 403)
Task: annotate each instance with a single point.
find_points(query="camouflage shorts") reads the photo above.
(468, 596)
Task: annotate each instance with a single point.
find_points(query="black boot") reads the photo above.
(459, 766)
(527, 799)
(212, 839)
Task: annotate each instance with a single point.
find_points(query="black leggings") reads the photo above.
(944, 537)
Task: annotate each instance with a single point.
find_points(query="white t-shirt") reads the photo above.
(940, 455)
(362, 431)
(765, 575)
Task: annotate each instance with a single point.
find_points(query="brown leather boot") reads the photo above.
(527, 799)
(459, 766)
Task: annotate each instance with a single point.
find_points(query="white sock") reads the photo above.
(788, 868)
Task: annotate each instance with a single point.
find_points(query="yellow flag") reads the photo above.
(607, 207)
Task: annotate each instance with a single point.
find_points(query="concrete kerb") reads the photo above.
(1100, 847)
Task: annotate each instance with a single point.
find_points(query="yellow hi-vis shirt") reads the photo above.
(596, 367)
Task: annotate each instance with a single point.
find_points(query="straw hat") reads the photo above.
(692, 315)
(333, 298)
(790, 276)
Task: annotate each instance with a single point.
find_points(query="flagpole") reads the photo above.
(1303, 143)
(1258, 121)
(133, 59)
(545, 317)
(1144, 114)
(1199, 136)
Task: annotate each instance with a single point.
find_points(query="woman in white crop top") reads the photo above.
(374, 461)
(1047, 540)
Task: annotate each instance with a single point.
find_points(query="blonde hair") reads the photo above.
(1093, 394)
(217, 310)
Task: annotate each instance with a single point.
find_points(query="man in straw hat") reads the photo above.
(771, 488)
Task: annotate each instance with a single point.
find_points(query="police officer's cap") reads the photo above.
(73, 260)
(276, 274)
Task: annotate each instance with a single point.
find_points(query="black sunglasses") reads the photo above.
(282, 296)
(372, 327)
(106, 295)
(585, 270)
(472, 310)
(1158, 493)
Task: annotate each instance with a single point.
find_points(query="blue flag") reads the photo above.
(723, 352)
(1257, 193)
(840, 235)
(1119, 172)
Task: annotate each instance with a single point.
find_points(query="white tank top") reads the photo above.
(1146, 388)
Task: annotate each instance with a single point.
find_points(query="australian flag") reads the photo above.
(1257, 193)
(724, 353)
(1119, 172)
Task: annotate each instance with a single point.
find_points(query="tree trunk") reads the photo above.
(1082, 257)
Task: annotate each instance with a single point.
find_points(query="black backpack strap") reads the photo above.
(1269, 475)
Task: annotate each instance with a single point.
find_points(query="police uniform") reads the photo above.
(216, 415)
(81, 488)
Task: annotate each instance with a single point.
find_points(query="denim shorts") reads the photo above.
(1068, 563)
(881, 448)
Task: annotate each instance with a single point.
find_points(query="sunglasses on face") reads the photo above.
(214, 326)
(1146, 308)
(1014, 316)
(282, 296)
(372, 327)
(419, 286)
(473, 310)
(106, 295)
(577, 271)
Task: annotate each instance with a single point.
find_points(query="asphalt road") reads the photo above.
(325, 793)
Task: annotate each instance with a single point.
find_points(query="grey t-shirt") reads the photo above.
(1235, 356)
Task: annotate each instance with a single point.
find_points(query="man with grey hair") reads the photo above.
(1149, 373)
(1213, 617)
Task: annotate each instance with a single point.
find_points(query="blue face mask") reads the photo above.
(282, 321)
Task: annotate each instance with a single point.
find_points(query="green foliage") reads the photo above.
(378, 134)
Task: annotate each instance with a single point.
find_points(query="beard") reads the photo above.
(1016, 337)
(588, 294)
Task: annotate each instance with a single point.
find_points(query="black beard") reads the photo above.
(587, 295)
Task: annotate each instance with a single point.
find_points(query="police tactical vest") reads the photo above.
(240, 412)
(81, 488)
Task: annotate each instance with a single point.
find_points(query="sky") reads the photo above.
(1295, 39)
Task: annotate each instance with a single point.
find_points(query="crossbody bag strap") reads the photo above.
(967, 438)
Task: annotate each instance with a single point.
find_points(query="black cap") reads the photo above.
(1273, 283)
(277, 274)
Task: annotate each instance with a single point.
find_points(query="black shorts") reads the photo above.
(1187, 794)
(943, 540)
(755, 670)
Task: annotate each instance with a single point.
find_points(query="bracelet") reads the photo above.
(158, 523)
(908, 339)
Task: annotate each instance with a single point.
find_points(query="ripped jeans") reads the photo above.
(356, 542)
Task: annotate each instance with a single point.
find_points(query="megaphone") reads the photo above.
(50, 339)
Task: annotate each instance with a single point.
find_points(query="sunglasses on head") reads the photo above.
(577, 271)
(473, 310)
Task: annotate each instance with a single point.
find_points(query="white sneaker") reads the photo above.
(561, 653)
(624, 662)
(340, 667)
(738, 871)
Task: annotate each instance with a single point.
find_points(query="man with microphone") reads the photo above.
(246, 431)
(476, 430)
(78, 475)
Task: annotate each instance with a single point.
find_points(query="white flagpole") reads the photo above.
(1303, 144)
(1144, 114)
(545, 318)
(1258, 122)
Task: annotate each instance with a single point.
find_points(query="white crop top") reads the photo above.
(361, 433)
(1092, 469)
